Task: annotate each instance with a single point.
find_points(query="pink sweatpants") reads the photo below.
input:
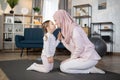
(78, 65)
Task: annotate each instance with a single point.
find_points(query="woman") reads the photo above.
(83, 54)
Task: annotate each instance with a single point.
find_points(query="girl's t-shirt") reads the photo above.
(49, 45)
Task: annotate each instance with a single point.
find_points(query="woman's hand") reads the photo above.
(50, 59)
(59, 36)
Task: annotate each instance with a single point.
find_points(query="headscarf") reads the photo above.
(67, 24)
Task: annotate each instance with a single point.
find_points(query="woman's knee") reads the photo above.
(63, 67)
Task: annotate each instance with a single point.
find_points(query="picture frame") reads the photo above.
(102, 4)
(9, 20)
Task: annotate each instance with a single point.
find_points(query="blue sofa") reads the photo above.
(33, 38)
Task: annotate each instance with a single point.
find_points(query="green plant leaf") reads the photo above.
(36, 9)
(12, 3)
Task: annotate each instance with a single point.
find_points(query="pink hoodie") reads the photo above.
(75, 39)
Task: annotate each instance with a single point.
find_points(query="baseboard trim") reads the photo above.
(116, 53)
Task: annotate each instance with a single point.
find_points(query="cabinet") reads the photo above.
(83, 16)
(105, 31)
(14, 24)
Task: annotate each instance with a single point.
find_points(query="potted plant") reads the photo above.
(12, 4)
(36, 10)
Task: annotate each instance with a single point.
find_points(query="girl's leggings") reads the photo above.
(44, 67)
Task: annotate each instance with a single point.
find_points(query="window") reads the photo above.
(49, 8)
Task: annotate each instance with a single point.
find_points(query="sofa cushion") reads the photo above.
(55, 33)
(33, 34)
(31, 42)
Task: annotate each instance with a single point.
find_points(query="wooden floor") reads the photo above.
(108, 62)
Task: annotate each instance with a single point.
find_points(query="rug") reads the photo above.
(16, 70)
(3, 75)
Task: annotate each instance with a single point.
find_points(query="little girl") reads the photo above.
(50, 44)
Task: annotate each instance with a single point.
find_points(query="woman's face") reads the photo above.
(57, 23)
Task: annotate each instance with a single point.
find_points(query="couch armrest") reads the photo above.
(18, 38)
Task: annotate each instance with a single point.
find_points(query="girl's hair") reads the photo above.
(45, 25)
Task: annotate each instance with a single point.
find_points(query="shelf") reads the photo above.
(14, 24)
(7, 14)
(18, 32)
(10, 42)
(95, 34)
(8, 32)
(106, 30)
(102, 23)
(82, 14)
(36, 16)
(36, 24)
(18, 23)
(85, 16)
(84, 5)
(8, 23)
(109, 42)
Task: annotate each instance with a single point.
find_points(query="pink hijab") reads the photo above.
(67, 24)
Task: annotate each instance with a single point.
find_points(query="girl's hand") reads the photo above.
(59, 36)
(50, 59)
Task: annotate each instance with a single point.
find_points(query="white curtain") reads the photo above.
(49, 8)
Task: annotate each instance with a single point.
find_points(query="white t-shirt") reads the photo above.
(50, 44)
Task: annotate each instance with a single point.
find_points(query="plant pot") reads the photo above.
(36, 13)
(11, 11)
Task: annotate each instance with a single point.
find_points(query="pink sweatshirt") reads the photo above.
(80, 46)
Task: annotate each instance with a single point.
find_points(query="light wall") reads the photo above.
(110, 14)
